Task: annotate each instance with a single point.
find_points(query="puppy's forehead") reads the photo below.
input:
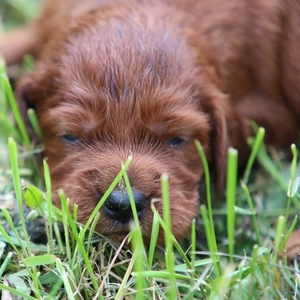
(130, 108)
(124, 56)
(131, 97)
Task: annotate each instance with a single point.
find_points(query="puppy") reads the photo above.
(147, 79)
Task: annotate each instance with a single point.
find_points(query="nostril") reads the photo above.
(140, 201)
(117, 205)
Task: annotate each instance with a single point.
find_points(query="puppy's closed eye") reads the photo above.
(71, 139)
(176, 142)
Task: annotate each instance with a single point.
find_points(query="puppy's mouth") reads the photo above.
(117, 228)
(118, 232)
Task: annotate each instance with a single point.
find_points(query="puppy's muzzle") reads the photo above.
(117, 206)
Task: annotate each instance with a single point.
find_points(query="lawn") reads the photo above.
(235, 249)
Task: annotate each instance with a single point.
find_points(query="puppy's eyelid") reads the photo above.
(71, 139)
(176, 142)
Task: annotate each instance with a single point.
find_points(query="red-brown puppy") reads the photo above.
(147, 78)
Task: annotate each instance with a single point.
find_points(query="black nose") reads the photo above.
(117, 205)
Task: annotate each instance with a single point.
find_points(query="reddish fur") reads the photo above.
(126, 76)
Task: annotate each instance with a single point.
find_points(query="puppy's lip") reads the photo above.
(117, 228)
(118, 231)
(117, 235)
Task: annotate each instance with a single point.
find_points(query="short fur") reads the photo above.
(147, 78)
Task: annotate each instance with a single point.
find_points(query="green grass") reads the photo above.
(235, 250)
(17, 12)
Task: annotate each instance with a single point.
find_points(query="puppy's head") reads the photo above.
(101, 99)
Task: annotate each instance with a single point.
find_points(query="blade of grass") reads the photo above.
(288, 234)
(193, 244)
(16, 112)
(39, 260)
(254, 150)
(13, 228)
(267, 163)
(69, 242)
(49, 228)
(281, 223)
(91, 232)
(211, 241)
(172, 292)
(293, 183)
(253, 216)
(34, 122)
(136, 222)
(154, 235)
(139, 263)
(13, 155)
(5, 263)
(13, 291)
(209, 228)
(231, 198)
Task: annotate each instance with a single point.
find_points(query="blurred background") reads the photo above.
(16, 12)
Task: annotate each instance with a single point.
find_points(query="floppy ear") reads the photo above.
(228, 129)
(28, 94)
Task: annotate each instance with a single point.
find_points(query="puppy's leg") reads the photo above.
(290, 55)
(14, 45)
